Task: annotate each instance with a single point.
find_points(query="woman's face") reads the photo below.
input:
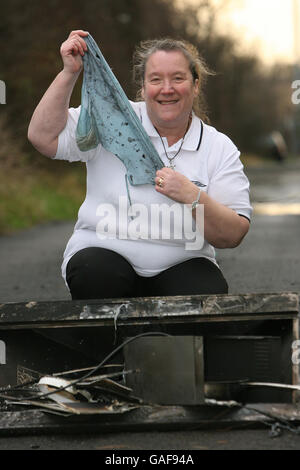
(169, 89)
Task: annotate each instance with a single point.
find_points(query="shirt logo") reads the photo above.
(199, 184)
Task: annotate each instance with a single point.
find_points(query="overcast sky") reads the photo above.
(265, 25)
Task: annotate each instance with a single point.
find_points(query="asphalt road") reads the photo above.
(267, 261)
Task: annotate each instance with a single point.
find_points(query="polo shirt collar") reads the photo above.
(145, 120)
(193, 136)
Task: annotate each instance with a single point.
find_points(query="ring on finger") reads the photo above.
(160, 182)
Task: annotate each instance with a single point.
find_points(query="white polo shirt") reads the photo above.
(207, 157)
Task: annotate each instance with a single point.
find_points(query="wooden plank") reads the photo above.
(149, 418)
(152, 322)
(136, 311)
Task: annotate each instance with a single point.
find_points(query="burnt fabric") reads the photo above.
(107, 118)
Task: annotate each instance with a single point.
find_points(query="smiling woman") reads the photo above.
(202, 171)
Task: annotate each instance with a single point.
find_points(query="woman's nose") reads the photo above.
(167, 87)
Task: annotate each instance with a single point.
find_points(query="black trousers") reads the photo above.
(98, 273)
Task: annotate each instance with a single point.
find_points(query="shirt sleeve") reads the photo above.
(67, 148)
(228, 183)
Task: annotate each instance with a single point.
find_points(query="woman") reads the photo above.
(202, 170)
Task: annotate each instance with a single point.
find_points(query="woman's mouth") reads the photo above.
(164, 103)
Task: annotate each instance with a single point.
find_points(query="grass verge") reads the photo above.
(30, 196)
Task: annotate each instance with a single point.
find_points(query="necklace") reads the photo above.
(170, 159)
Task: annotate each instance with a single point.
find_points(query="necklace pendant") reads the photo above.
(172, 166)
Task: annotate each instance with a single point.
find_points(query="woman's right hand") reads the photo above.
(72, 51)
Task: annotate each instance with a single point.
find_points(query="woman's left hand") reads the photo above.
(223, 227)
(175, 186)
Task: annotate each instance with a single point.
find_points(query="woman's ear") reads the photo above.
(143, 92)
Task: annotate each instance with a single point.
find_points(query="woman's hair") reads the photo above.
(197, 65)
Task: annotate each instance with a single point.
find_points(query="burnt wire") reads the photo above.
(93, 370)
(277, 425)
